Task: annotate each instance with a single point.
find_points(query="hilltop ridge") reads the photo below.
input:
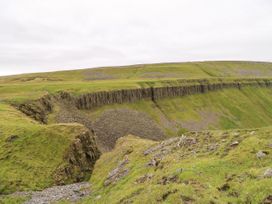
(201, 69)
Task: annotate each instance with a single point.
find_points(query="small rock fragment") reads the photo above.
(98, 197)
(268, 173)
(154, 162)
(169, 179)
(179, 170)
(235, 143)
(144, 178)
(117, 173)
(212, 147)
(261, 154)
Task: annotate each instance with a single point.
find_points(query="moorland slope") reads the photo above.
(54, 126)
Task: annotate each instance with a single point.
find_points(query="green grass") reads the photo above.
(30, 86)
(13, 199)
(28, 162)
(154, 71)
(248, 107)
(245, 108)
(203, 171)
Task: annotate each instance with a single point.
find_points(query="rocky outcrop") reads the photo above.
(119, 172)
(91, 100)
(39, 109)
(79, 160)
(188, 87)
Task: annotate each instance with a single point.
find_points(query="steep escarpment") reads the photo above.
(186, 87)
(157, 119)
(116, 123)
(79, 160)
(39, 109)
(35, 156)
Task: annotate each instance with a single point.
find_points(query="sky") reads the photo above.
(47, 35)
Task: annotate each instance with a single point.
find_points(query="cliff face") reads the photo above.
(83, 152)
(40, 108)
(79, 160)
(91, 100)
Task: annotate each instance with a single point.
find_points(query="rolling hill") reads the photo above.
(213, 117)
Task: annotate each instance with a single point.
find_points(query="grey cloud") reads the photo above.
(38, 35)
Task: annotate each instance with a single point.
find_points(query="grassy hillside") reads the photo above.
(204, 167)
(22, 87)
(153, 71)
(30, 153)
(208, 171)
(224, 109)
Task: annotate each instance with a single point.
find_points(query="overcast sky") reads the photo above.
(46, 35)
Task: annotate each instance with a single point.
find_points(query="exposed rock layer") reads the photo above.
(38, 109)
(83, 152)
(79, 160)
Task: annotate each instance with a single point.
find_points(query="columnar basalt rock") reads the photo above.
(83, 151)
(91, 100)
(39, 109)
